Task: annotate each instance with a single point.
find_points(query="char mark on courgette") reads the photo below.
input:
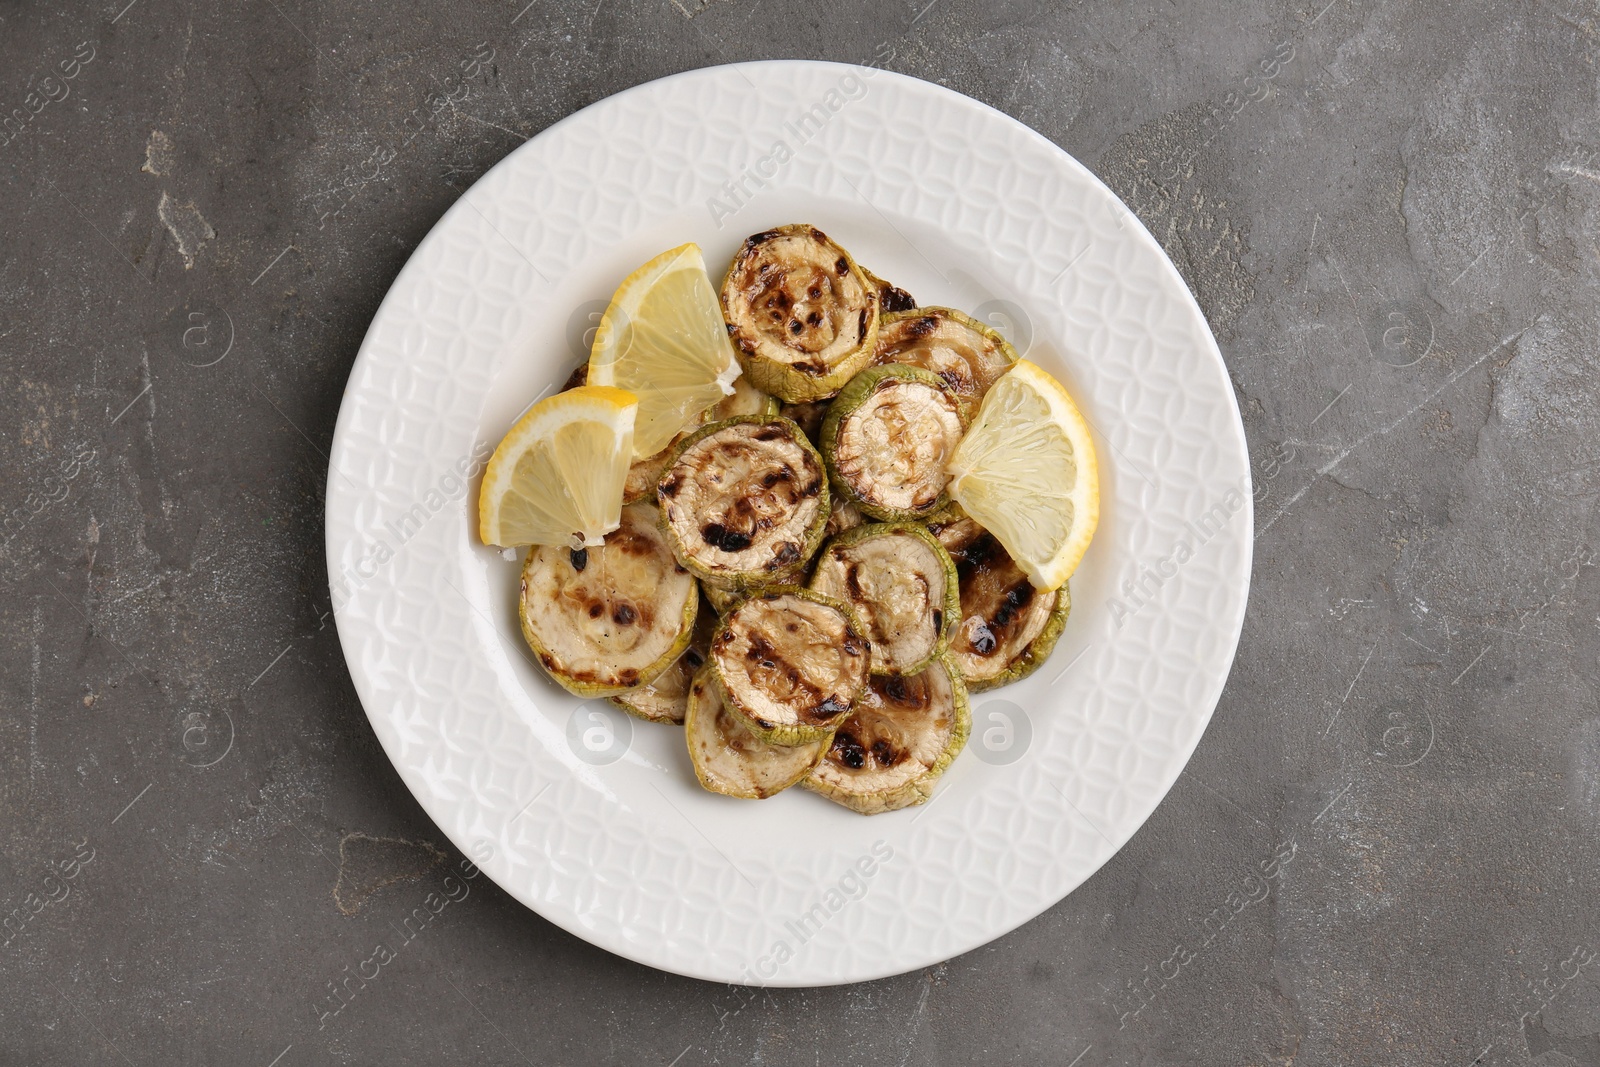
(891, 298)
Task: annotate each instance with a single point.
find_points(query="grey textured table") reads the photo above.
(1388, 212)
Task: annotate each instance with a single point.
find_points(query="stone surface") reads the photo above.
(1390, 225)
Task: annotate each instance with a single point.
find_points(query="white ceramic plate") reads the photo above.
(597, 822)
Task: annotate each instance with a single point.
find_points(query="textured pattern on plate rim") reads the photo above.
(596, 850)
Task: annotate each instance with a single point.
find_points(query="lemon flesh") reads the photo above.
(556, 478)
(1026, 472)
(663, 339)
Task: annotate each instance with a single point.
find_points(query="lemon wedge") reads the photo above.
(1026, 472)
(556, 478)
(663, 339)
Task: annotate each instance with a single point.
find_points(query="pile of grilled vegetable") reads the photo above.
(789, 579)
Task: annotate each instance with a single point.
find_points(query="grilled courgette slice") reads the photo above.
(967, 356)
(665, 699)
(1007, 627)
(802, 315)
(901, 736)
(791, 662)
(902, 586)
(607, 619)
(744, 501)
(729, 758)
(887, 438)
